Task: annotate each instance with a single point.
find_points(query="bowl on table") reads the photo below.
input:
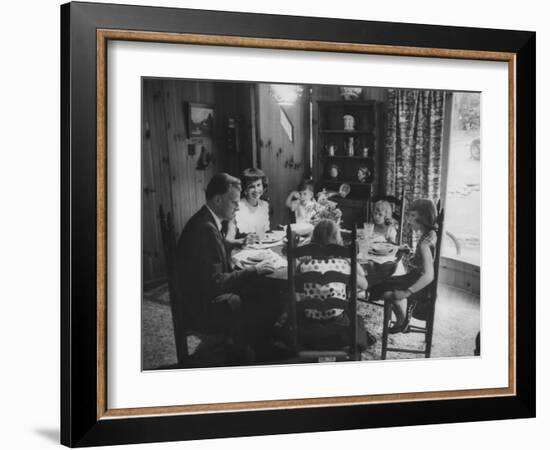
(381, 248)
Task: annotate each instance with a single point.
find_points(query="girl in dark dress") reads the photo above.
(422, 216)
(322, 309)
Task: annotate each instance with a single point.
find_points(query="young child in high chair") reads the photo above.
(400, 290)
(384, 224)
(302, 202)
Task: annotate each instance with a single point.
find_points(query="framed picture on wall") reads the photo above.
(200, 120)
(134, 365)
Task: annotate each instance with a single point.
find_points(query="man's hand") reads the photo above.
(234, 302)
(264, 268)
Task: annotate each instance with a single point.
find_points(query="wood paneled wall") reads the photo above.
(284, 162)
(169, 174)
(170, 177)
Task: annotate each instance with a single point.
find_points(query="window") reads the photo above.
(463, 201)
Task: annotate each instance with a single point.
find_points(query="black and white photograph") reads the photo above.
(306, 224)
(275, 225)
(201, 119)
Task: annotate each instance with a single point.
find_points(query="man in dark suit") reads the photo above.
(218, 298)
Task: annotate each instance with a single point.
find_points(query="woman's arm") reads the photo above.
(232, 237)
(267, 225)
(391, 234)
(231, 230)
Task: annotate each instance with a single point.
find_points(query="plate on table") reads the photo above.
(251, 257)
(381, 248)
(272, 236)
(258, 257)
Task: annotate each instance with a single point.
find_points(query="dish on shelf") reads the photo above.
(333, 172)
(363, 174)
(350, 93)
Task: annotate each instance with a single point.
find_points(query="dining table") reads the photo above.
(271, 247)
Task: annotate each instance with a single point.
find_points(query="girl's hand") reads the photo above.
(400, 295)
(294, 196)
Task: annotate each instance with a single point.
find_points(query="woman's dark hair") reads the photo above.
(220, 183)
(427, 214)
(251, 175)
(305, 185)
(326, 232)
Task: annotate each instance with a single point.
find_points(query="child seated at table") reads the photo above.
(321, 308)
(302, 202)
(384, 223)
(406, 291)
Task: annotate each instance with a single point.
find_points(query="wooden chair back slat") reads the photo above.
(177, 304)
(291, 269)
(330, 276)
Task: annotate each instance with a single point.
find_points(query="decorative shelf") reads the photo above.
(346, 132)
(365, 158)
(328, 127)
(351, 183)
(362, 103)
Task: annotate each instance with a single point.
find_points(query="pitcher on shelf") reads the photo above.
(350, 146)
(349, 122)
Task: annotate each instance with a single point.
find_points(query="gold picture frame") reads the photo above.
(78, 427)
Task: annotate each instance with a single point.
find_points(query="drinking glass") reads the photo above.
(368, 229)
(260, 232)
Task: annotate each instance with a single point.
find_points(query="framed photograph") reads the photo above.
(219, 280)
(287, 125)
(200, 120)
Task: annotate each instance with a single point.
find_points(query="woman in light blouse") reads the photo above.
(252, 218)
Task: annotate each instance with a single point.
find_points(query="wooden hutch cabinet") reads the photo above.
(347, 149)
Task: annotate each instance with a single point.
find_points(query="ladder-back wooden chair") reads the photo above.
(429, 306)
(296, 283)
(177, 304)
(212, 337)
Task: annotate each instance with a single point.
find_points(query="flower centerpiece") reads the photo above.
(325, 209)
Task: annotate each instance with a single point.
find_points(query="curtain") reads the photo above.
(412, 156)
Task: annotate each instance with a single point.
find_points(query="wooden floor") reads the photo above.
(457, 322)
